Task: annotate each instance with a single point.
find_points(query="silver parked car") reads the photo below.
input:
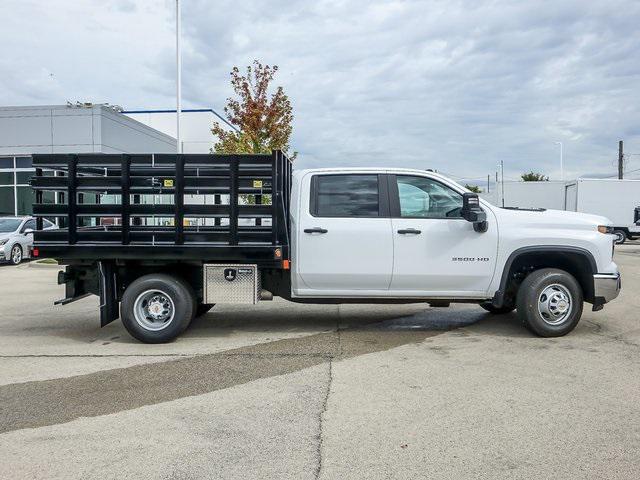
(16, 237)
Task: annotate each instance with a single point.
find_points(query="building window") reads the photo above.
(6, 201)
(6, 178)
(26, 198)
(23, 178)
(23, 162)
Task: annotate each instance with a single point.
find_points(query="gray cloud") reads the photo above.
(452, 85)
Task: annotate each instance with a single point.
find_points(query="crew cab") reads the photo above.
(245, 228)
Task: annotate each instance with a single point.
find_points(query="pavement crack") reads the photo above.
(323, 411)
(37, 403)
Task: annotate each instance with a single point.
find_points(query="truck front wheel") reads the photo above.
(621, 236)
(157, 308)
(549, 302)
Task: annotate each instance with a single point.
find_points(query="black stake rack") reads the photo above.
(159, 206)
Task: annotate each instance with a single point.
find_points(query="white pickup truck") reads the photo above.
(347, 235)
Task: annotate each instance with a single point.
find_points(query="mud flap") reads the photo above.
(109, 305)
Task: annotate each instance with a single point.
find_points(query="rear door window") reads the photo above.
(353, 195)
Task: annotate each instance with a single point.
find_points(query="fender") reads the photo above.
(498, 298)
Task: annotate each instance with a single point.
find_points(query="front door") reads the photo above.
(344, 245)
(437, 252)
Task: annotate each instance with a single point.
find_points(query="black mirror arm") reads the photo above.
(480, 227)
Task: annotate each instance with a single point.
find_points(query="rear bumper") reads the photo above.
(606, 287)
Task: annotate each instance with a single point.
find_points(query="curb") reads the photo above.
(35, 264)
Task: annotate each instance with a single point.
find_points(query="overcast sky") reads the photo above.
(451, 85)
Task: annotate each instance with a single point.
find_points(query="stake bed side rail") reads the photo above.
(132, 206)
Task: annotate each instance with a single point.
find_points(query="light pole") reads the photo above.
(178, 79)
(561, 161)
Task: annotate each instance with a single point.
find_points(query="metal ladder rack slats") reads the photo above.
(154, 186)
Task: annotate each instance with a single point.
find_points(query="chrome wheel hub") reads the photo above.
(153, 310)
(555, 304)
(16, 254)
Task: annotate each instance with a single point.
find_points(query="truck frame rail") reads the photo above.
(163, 206)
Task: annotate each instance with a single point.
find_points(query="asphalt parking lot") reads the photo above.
(334, 392)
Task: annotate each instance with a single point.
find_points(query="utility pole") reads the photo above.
(561, 161)
(620, 160)
(488, 178)
(178, 78)
(502, 182)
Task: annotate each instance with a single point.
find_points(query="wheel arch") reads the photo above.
(577, 261)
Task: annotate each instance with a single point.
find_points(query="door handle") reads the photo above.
(413, 231)
(315, 230)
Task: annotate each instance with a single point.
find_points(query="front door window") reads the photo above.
(422, 197)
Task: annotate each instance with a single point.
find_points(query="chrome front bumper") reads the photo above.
(606, 286)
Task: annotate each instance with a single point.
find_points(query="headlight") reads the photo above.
(2, 242)
(605, 229)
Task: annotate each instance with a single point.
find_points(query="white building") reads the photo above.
(76, 129)
(611, 198)
(195, 126)
(88, 128)
(83, 128)
(550, 194)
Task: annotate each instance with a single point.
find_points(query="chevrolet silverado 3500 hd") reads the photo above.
(161, 238)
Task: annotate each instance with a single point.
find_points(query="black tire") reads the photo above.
(621, 236)
(536, 311)
(172, 292)
(488, 306)
(16, 259)
(203, 308)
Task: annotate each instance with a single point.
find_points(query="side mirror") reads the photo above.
(472, 212)
(27, 231)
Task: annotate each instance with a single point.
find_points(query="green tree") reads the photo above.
(473, 188)
(263, 119)
(534, 177)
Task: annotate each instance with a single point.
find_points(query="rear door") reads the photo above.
(437, 252)
(343, 235)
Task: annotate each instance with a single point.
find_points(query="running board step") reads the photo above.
(65, 301)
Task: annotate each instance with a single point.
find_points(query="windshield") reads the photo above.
(9, 224)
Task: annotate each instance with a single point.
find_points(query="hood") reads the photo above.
(553, 218)
(5, 236)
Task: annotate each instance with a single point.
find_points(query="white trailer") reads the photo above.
(549, 195)
(611, 198)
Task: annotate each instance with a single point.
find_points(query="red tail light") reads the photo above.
(36, 252)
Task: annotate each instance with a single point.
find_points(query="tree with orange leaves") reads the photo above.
(263, 120)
